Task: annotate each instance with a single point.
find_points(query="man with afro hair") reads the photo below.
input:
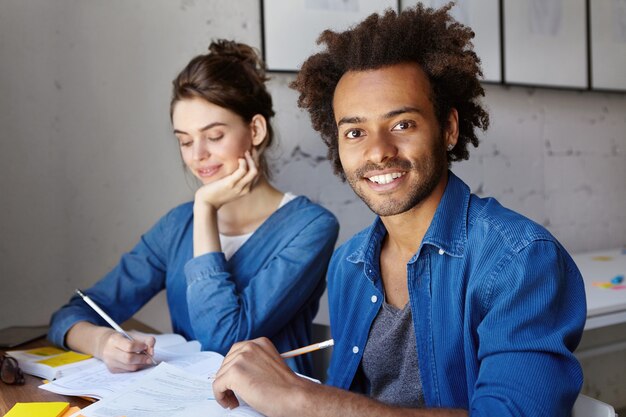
(448, 304)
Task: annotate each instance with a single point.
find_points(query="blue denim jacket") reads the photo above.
(498, 308)
(270, 287)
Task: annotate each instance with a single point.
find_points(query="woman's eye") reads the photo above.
(215, 138)
(354, 133)
(185, 144)
(404, 125)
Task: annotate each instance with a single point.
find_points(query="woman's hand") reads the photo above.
(123, 355)
(231, 187)
(210, 197)
(116, 351)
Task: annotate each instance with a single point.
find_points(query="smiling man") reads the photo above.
(448, 304)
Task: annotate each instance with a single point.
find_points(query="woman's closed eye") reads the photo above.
(215, 138)
(185, 143)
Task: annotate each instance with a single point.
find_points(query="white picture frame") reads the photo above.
(545, 43)
(483, 16)
(290, 28)
(608, 44)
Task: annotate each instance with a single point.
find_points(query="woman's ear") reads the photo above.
(258, 127)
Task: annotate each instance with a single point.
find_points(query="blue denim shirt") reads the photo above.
(498, 308)
(270, 287)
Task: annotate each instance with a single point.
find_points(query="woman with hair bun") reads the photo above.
(243, 259)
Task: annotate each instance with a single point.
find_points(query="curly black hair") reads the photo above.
(429, 37)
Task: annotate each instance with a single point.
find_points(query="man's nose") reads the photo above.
(380, 147)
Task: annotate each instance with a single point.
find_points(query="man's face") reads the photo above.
(390, 145)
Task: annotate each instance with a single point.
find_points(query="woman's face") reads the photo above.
(211, 138)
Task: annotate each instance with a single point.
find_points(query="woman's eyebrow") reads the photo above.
(202, 129)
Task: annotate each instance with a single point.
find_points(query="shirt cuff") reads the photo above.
(205, 266)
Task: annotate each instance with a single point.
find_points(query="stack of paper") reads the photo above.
(96, 381)
(166, 391)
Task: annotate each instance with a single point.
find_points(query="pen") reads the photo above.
(108, 319)
(307, 349)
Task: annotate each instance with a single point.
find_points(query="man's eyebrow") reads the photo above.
(388, 115)
(350, 120)
(202, 129)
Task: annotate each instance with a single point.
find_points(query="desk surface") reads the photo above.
(11, 394)
(605, 306)
(29, 392)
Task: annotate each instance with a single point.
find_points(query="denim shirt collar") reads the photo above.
(447, 231)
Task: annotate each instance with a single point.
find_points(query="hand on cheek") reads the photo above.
(232, 186)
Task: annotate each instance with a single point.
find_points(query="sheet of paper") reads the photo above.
(167, 391)
(98, 382)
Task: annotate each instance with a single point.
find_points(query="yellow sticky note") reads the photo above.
(602, 258)
(45, 351)
(64, 359)
(49, 409)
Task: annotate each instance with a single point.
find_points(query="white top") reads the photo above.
(605, 306)
(230, 244)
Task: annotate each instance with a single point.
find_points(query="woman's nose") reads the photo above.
(200, 150)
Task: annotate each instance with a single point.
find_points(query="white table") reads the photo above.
(605, 306)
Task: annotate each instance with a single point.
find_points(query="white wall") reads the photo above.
(88, 162)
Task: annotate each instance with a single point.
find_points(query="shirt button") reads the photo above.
(355, 349)
(441, 252)
(374, 298)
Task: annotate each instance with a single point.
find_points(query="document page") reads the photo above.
(98, 382)
(167, 391)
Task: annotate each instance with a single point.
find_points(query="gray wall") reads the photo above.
(88, 162)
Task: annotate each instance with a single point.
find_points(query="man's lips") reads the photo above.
(385, 177)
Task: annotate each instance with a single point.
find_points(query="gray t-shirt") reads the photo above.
(388, 371)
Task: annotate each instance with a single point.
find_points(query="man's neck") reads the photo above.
(405, 231)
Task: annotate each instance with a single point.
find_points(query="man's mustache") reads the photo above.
(397, 163)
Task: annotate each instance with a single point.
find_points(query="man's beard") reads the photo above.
(428, 174)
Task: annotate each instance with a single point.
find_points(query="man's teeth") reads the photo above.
(386, 178)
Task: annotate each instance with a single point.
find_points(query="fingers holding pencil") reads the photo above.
(126, 351)
(255, 371)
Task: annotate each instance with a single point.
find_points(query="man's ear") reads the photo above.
(451, 132)
(258, 127)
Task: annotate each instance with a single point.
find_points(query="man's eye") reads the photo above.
(404, 125)
(354, 133)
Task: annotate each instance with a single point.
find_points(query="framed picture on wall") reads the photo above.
(483, 16)
(545, 43)
(608, 44)
(290, 28)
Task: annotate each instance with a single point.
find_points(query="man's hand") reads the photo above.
(256, 372)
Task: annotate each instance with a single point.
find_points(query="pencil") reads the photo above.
(307, 349)
(109, 320)
(300, 351)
